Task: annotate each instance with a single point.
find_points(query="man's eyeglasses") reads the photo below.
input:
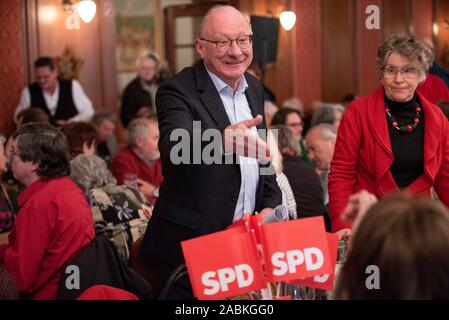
(243, 42)
(391, 72)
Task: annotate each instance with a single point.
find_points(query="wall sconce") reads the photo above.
(435, 28)
(86, 10)
(288, 19)
(287, 15)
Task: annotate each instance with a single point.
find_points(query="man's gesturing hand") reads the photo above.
(241, 140)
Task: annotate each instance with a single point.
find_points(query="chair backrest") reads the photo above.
(99, 264)
(178, 273)
(133, 262)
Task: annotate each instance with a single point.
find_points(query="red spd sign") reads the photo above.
(325, 281)
(295, 249)
(223, 264)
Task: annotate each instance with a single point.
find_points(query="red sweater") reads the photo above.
(126, 161)
(53, 224)
(363, 155)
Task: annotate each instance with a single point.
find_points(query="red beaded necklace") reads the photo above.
(408, 127)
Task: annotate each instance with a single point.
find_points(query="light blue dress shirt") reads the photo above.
(237, 109)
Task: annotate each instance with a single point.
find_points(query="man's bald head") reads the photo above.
(220, 10)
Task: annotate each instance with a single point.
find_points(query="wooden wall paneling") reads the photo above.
(294, 60)
(422, 18)
(441, 38)
(366, 44)
(308, 51)
(30, 41)
(338, 68)
(279, 76)
(11, 68)
(107, 41)
(396, 16)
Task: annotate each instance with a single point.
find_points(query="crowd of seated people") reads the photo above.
(65, 176)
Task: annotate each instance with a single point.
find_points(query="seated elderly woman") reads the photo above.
(119, 211)
(406, 238)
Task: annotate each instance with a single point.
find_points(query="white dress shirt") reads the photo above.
(237, 108)
(82, 102)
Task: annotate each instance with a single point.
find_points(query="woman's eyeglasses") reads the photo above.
(391, 72)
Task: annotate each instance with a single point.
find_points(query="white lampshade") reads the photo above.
(86, 10)
(288, 20)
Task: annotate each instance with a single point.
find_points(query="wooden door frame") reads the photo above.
(185, 10)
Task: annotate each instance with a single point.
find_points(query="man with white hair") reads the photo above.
(141, 91)
(141, 157)
(320, 142)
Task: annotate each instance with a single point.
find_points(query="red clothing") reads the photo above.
(363, 155)
(126, 161)
(53, 224)
(102, 292)
(434, 89)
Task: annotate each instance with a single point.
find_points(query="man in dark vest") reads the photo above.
(62, 100)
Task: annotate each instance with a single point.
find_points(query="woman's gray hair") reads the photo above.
(286, 140)
(90, 171)
(409, 47)
(2, 139)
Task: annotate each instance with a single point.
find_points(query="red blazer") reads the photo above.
(363, 155)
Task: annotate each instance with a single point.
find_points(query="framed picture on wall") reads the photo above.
(135, 31)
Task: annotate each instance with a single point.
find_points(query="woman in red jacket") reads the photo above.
(393, 139)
